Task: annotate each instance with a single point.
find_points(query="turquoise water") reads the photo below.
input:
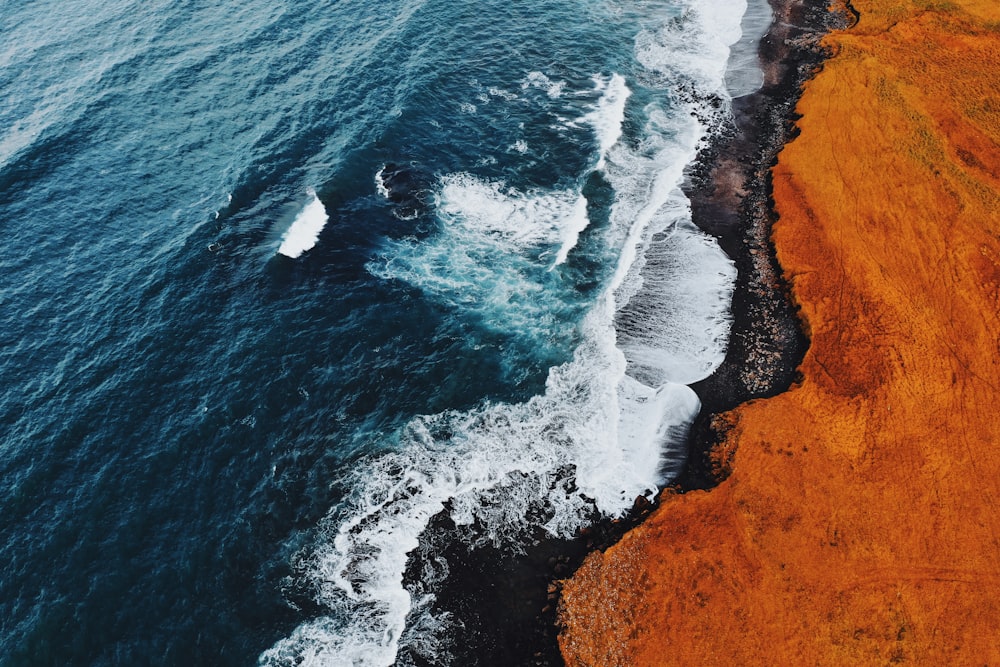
(282, 280)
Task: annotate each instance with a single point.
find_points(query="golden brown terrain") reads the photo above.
(860, 522)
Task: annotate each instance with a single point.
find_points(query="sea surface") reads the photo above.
(283, 280)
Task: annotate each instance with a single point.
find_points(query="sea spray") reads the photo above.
(607, 118)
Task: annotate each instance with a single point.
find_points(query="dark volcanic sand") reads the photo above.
(730, 192)
(505, 606)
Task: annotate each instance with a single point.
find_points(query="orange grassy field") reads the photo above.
(860, 524)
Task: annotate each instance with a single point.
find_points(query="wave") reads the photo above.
(497, 466)
(494, 255)
(304, 231)
(611, 422)
(490, 258)
(608, 116)
(380, 186)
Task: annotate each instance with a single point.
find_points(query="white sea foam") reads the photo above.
(305, 229)
(533, 221)
(380, 184)
(505, 95)
(694, 48)
(519, 146)
(608, 116)
(675, 325)
(490, 255)
(553, 89)
(607, 427)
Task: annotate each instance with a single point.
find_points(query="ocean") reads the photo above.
(284, 280)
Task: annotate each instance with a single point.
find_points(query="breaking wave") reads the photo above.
(304, 231)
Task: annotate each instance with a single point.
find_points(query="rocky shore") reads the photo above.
(507, 606)
(858, 522)
(731, 198)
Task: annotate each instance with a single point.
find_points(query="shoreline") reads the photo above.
(730, 190)
(512, 619)
(856, 520)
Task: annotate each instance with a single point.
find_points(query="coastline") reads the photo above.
(857, 524)
(507, 606)
(731, 198)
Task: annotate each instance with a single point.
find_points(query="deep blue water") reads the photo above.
(189, 419)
